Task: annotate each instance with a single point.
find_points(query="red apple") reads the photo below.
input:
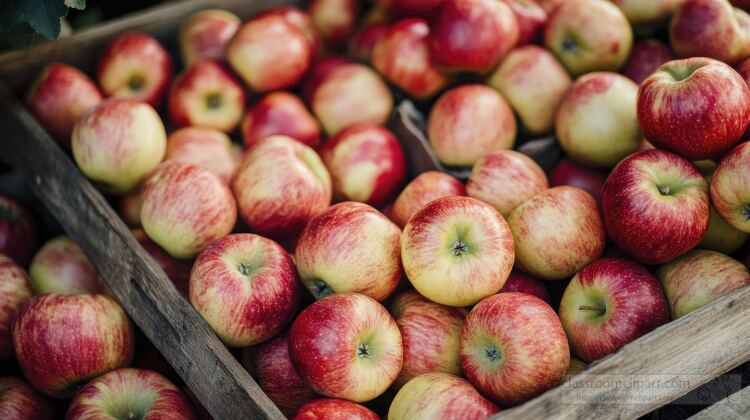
(15, 289)
(421, 190)
(130, 208)
(440, 396)
(346, 346)
(334, 19)
(60, 266)
(730, 188)
(17, 230)
(176, 269)
(299, 19)
(710, 28)
(569, 172)
(205, 34)
(334, 409)
(280, 113)
(411, 8)
(531, 18)
(608, 304)
(18, 401)
(647, 56)
(513, 347)
(520, 282)
(363, 41)
(205, 147)
(367, 164)
(655, 206)
(319, 71)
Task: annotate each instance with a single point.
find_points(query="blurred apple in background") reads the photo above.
(730, 188)
(569, 172)
(205, 34)
(647, 56)
(335, 20)
(648, 15)
(531, 18)
(363, 41)
(319, 71)
(440, 396)
(15, 289)
(334, 409)
(178, 270)
(420, 191)
(280, 113)
(520, 282)
(18, 401)
(410, 8)
(205, 147)
(60, 266)
(721, 236)
(301, 20)
(18, 232)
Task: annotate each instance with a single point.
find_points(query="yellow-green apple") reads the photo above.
(129, 208)
(58, 96)
(589, 35)
(569, 172)
(185, 208)
(206, 94)
(118, 143)
(698, 278)
(335, 20)
(363, 41)
(135, 66)
(557, 232)
(205, 34)
(280, 113)
(334, 409)
(647, 56)
(18, 232)
(610, 303)
(410, 8)
(710, 28)
(440, 396)
(504, 179)
(730, 188)
(531, 18)
(19, 401)
(646, 15)
(61, 341)
(15, 289)
(721, 236)
(521, 282)
(60, 266)
(280, 185)
(655, 206)
(346, 346)
(532, 80)
(299, 19)
(208, 148)
(513, 347)
(177, 270)
(596, 122)
(421, 190)
(697, 107)
(271, 367)
(131, 394)
(351, 247)
(367, 164)
(269, 53)
(430, 333)
(457, 251)
(469, 121)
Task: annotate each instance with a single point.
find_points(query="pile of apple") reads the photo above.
(319, 198)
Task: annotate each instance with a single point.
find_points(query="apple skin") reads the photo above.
(430, 333)
(299, 19)
(62, 340)
(367, 164)
(129, 208)
(135, 66)
(532, 80)
(363, 41)
(421, 190)
(280, 113)
(410, 8)
(60, 266)
(521, 282)
(721, 236)
(280, 186)
(131, 393)
(15, 289)
(351, 247)
(469, 121)
(177, 270)
(569, 172)
(710, 28)
(319, 71)
(531, 18)
(730, 188)
(334, 409)
(698, 278)
(205, 34)
(18, 231)
(504, 179)
(647, 56)
(630, 303)
(271, 366)
(589, 35)
(706, 128)
(440, 396)
(346, 346)
(185, 208)
(596, 122)
(513, 347)
(60, 94)
(655, 206)
(457, 251)
(18, 401)
(335, 20)
(648, 14)
(208, 148)
(557, 232)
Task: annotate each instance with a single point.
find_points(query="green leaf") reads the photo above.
(42, 15)
(76, 4)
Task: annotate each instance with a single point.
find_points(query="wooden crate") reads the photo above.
(697, 347)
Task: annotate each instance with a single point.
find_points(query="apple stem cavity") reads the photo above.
(321, 289)
(664, 190)
(591, 308)
(245, 269)
(492, 353)
(213, 101)
(136, 82)
(459, 248)
(568, 44)
(745, 212)
(363, 351)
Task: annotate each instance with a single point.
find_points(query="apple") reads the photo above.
(518, 281)
(299, 19)
(721, 236)
(589, 35)
(730, 188)
(269, 53)
(18, 231)
(319, 71)
(717, 115)
(710, 28)
(531, 18)
(205, 34)
(363, 41)
(699, 277)
(421, 190)
(60, 266)
(505, 179)
(15, 289)
(469, 121)
(129, 208)
(532, 80)
(550, 6)
(18, 401)
(655, 206)
(608, 304)
(334, 409)
(118, 143)
(208, 148)
(743, 69)
(576, 366)
(410, 8)
(440, 396)
(280, 113)
(430, 333)
(280, 186)
(351, 247)
(513, 347)
(135, 66)
(63, 340)
(177, 270)
(366, 162)
(335, 20)
(346, 346)
(596, 122)
(185, 208)
(557, 232)
(647, 56)
(457, 251)
(131, 394)
(648, 15)
(569, 172)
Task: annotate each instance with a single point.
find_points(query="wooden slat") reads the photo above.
(733, 407)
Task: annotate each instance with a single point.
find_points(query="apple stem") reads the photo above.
(244, 269)
(746, 212)
(363, 350)
(664, 189)
(321, 289)
(591, 308)
(460, 248)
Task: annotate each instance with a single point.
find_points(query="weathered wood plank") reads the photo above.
(733, 407)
